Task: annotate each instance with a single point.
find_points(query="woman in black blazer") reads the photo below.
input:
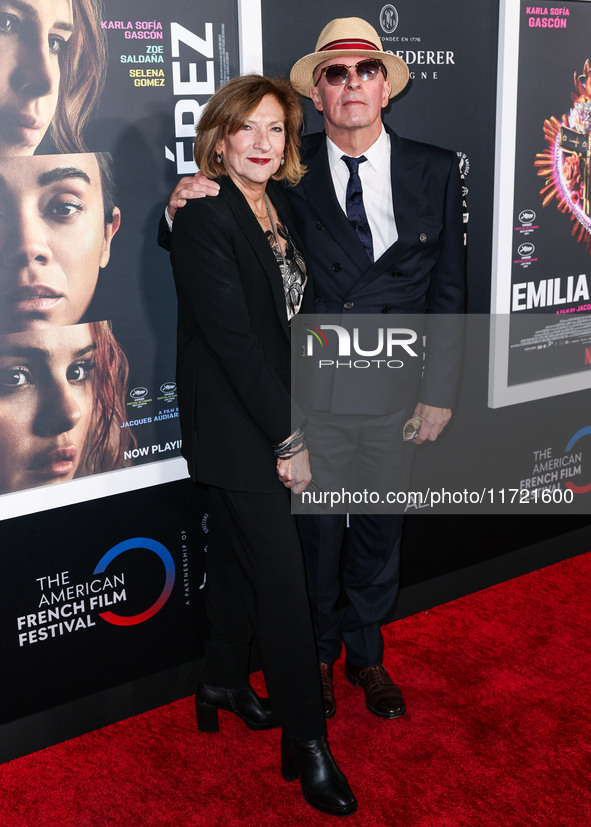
(240, 278)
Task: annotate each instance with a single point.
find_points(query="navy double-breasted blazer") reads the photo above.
(422, 273)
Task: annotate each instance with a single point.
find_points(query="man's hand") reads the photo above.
(295, 473)
(434, 421)
(191, 186)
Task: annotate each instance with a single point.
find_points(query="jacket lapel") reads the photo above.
(278, 196)
(319, 190)
(406, 174)
(407, 168)
(258, 241)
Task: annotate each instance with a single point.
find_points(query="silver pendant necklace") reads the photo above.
(274, 228)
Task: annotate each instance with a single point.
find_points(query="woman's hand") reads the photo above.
(295, 473)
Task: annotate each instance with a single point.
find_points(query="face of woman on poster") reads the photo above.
(55, 236)
(34, 37)
(46, 404)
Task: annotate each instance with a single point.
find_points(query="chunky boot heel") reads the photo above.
(207, 717)
(288, 771)
(323, 784)
(244, 702)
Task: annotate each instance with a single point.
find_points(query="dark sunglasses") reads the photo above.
(338, 73)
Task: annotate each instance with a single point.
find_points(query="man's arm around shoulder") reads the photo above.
(189, 187)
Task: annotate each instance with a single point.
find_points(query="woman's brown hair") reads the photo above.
(107, 440)
(82, 76)
(229, 108)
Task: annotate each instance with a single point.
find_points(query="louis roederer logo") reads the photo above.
(388, 340)
(389, 19)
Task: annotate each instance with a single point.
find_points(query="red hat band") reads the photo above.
(349, 43)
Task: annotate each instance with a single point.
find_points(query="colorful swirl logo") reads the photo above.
(318, 334)
(163, 554)
(578, 489)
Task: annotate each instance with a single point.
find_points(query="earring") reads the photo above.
(219, 158)
(282, 161)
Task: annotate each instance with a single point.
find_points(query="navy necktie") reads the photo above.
(354, 204)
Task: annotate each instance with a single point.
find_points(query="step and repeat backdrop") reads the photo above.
(102, 537)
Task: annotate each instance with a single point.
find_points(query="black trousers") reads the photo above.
(357, 452)
(256, 589)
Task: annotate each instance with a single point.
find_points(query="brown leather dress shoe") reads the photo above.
(382, 696)
(328, 701)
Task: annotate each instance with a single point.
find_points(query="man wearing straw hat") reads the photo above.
(381, 220)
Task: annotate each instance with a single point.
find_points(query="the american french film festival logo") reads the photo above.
(65, 607)
(388, 342)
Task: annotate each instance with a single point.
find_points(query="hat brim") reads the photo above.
(301, 75)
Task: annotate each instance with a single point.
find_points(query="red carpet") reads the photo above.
(497, 732)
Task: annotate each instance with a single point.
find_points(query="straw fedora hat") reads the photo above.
(348, 36)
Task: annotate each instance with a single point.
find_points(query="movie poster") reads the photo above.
(541, 344)
(100, 106)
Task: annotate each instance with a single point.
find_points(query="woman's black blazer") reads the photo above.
(233, 342)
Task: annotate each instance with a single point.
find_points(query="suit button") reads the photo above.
(348, 305)
(337, 267)
(387, 308)
(396, 274)
(320, 226)
(422, 238)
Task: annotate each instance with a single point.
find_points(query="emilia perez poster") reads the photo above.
(98, 105)
(541, 287)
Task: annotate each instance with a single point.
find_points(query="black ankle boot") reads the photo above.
(323, 784)
(255, 712)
